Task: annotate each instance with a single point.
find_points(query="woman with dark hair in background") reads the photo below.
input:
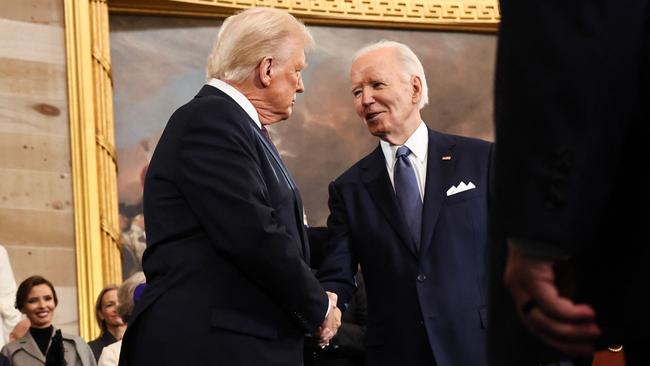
(44, 344)
(108, 319)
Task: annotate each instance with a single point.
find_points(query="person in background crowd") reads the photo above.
(44, 344)
(111, 324)
(127, 295)
(9, 316)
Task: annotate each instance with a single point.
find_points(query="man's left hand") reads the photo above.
(556, 319)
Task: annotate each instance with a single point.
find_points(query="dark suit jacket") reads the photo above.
(347, 348)
(433, 301)
(571, 169)
(227, 276)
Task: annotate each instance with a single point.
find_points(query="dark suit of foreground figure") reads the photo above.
(572, 181)
(227, 278)
(426, 300)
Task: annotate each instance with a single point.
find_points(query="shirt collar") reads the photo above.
(418, 143)
(238, 97)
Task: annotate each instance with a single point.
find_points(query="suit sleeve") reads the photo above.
(220, 177)
(339, 264)
(564, 112)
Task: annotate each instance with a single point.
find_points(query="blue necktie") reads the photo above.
(408, 194)
(266, 135)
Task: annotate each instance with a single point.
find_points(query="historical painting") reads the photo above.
(159, 64)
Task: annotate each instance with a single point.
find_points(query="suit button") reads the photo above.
(422, 277)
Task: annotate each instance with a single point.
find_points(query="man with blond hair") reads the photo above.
(228, 279)
(413, 213)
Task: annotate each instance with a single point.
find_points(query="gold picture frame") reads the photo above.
(90, 99)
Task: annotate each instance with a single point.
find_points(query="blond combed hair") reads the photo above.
(411, 65)
(125, 295)
(247, 37)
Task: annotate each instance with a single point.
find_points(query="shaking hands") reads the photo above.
(331, 324)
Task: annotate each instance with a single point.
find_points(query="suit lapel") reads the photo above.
(375, 178)
(439, 172)
(210, 90)
(29, 345)
(285, 172)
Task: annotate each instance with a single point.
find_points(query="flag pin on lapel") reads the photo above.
(446, 157)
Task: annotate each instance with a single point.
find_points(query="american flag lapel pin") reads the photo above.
(446, 157)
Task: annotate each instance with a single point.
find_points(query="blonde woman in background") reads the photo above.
(109, 320)
(110, 356)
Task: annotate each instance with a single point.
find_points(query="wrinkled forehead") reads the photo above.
(367, 70)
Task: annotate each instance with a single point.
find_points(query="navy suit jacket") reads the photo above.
(572, 106)
(427, 302)
(226, 264)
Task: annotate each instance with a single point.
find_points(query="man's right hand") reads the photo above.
(332, 322)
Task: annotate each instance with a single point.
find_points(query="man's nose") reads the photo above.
(367, 98)
(300, 87)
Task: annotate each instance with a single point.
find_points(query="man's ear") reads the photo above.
(416, 85)
(265, 70)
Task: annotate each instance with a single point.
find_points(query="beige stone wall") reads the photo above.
(36, 208)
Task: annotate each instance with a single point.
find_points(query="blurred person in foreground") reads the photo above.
(413, 213)
(226, 240)
(111, 324)
(44, 344)
(571, 182)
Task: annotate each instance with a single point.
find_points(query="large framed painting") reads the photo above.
(159, 64)
(132, 63)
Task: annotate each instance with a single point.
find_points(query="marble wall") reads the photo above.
(36, 208)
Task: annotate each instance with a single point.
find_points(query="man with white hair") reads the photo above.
(413, 213)
(228, 280)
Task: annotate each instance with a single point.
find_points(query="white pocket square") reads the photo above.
(462, 187)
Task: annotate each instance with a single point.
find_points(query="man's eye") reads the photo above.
(356, 93)
(377, 85)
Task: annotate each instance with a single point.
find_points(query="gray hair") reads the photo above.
(247, 37)
(407, 58)
(125, 295)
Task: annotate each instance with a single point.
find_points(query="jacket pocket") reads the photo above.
(244, 323)
(462, 196)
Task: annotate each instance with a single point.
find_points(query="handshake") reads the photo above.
(331, 324)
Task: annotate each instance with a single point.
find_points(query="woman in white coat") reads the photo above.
(9, 316)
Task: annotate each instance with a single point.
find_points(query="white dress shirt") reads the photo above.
(238, 97)
(418, 143)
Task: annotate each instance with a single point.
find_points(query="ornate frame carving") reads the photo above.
(90, 100)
